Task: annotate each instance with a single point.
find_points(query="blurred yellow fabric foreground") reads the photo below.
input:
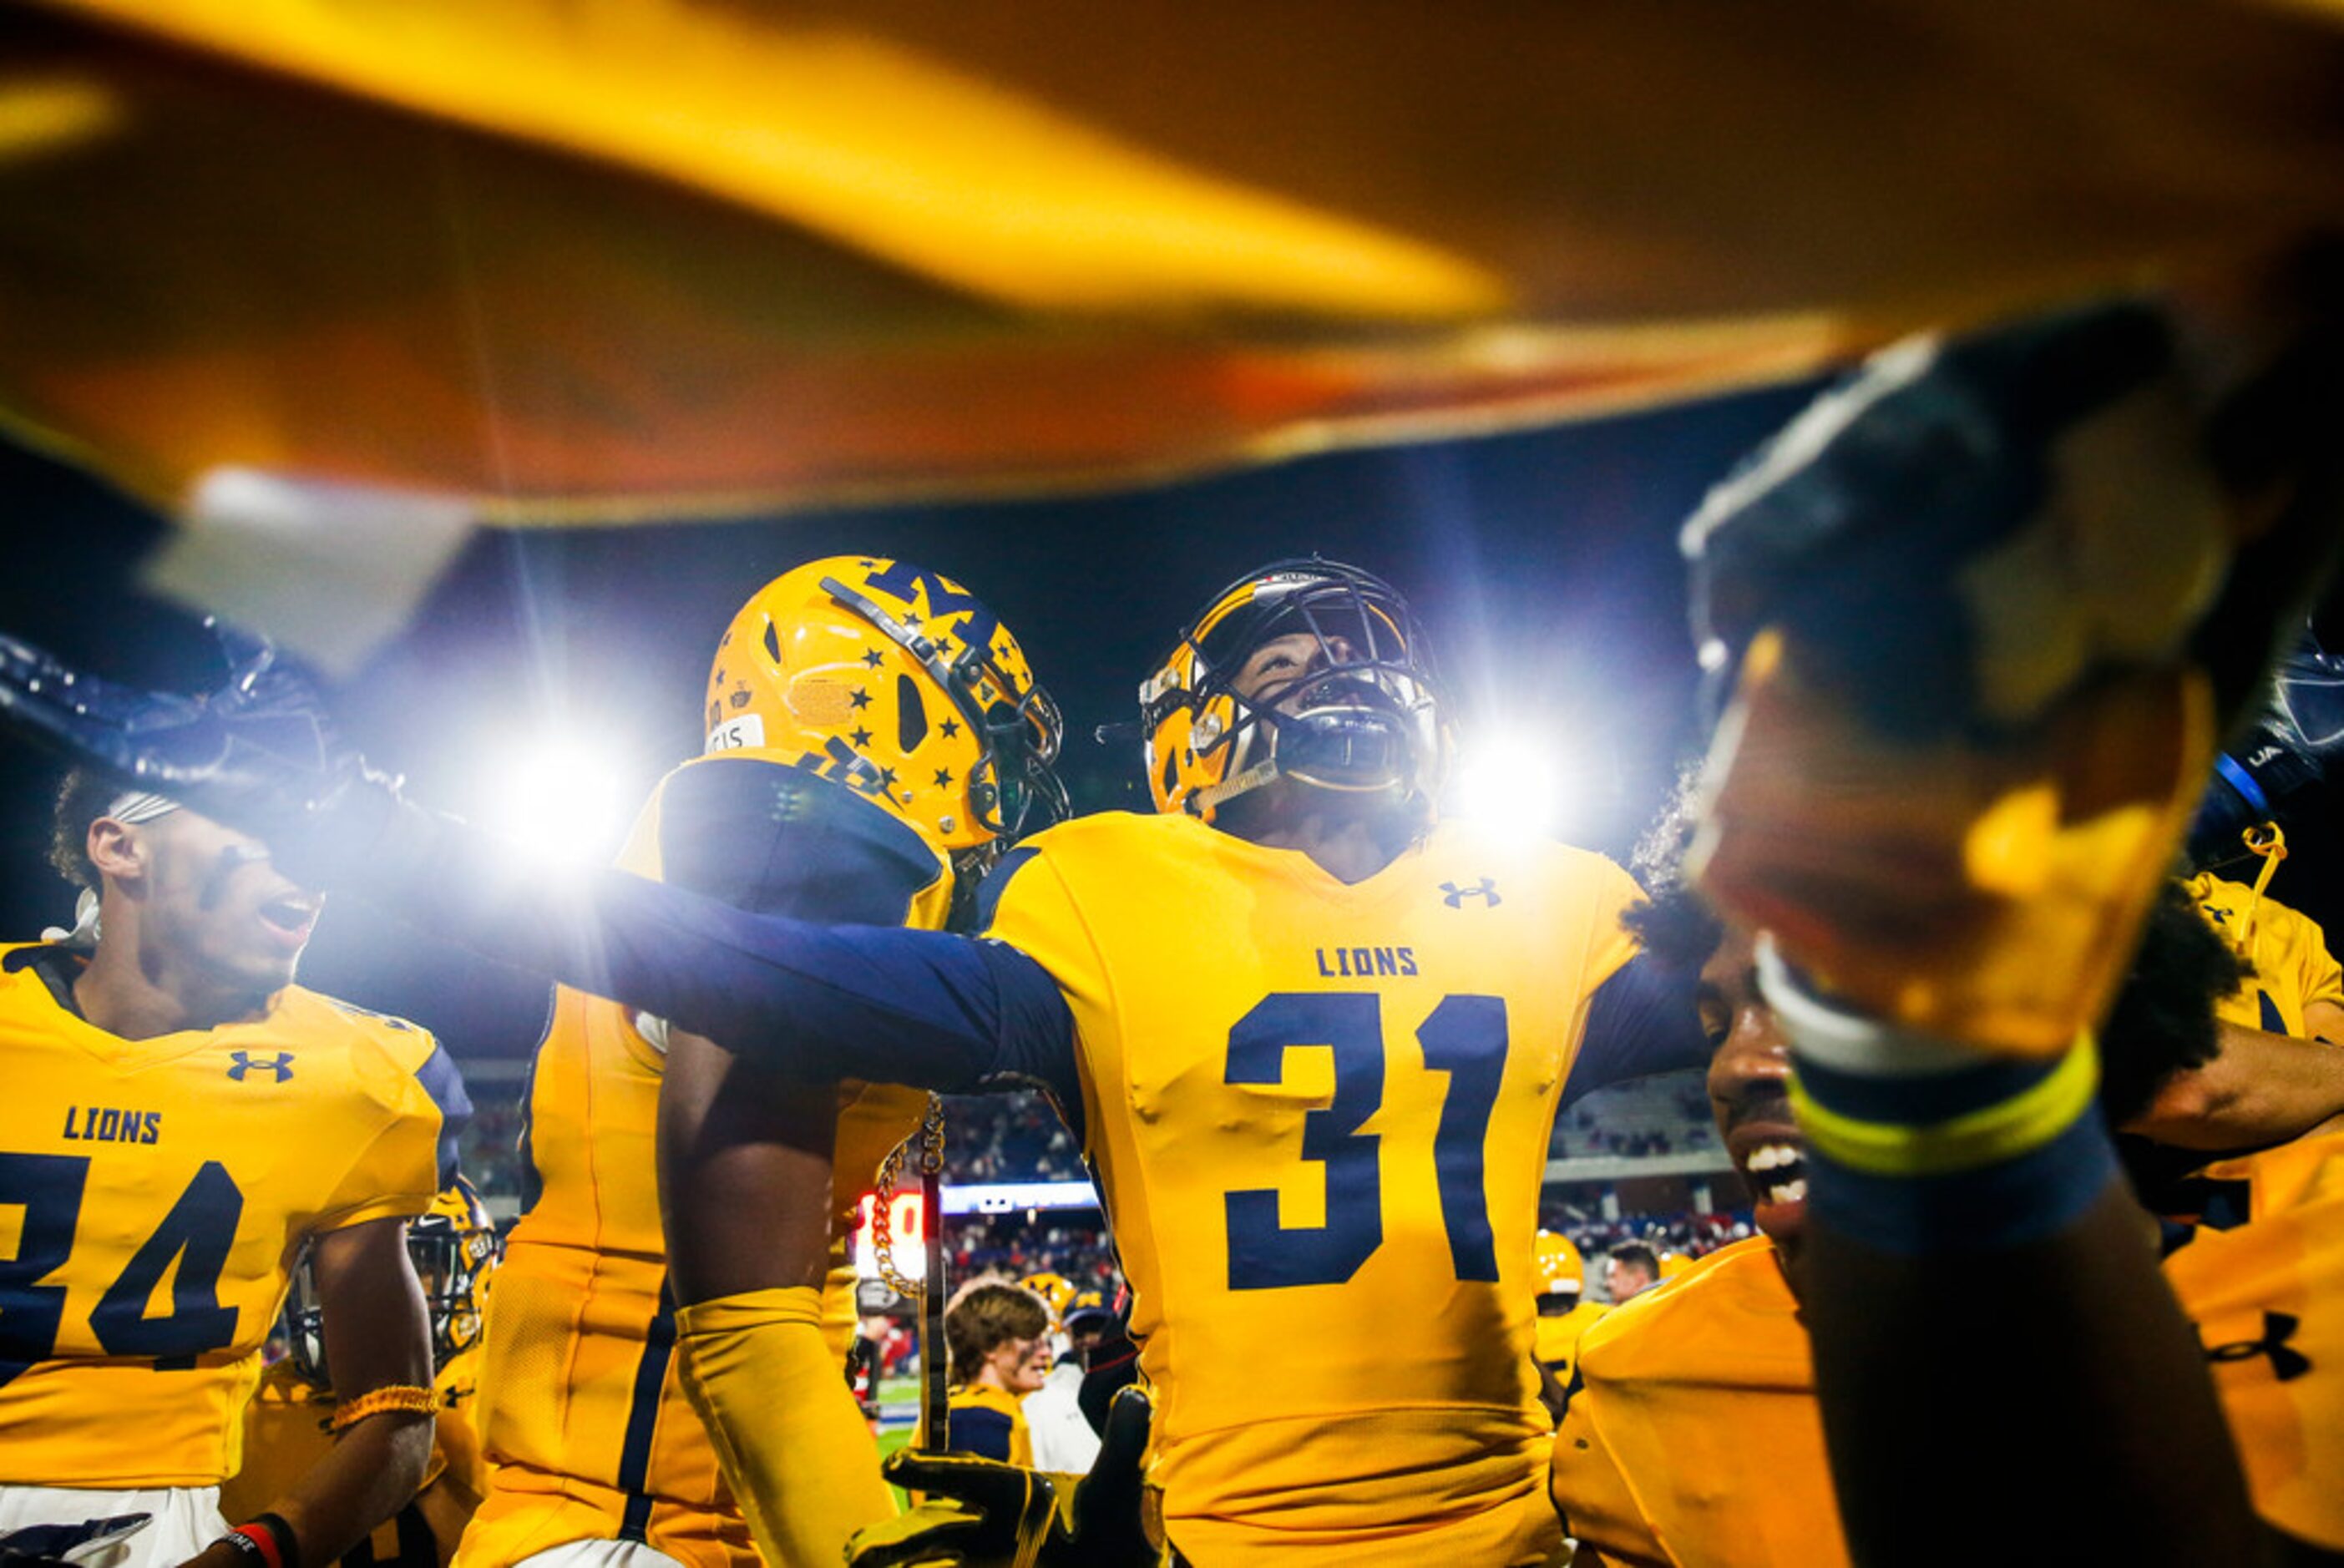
(600, 260)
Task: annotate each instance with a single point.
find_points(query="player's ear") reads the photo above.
(118, 850)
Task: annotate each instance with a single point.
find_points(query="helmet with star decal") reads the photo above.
(900, 683)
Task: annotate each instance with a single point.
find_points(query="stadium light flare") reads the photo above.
(558, 799)
(1514, 786)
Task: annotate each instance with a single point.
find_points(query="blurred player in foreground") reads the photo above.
(288, 1425)
(669, 1335)
(1312, 1041)
(1985, 611)
(1693, 1434)
(178, 1108)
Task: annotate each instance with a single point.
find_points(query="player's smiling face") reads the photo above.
(1022, 1365)
(1749, 1079)
(219, 907)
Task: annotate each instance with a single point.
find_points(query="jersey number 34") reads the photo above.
(198, 1231)
(1465, 1036)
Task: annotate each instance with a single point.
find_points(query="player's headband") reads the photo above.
(131, 807)
(134, 806)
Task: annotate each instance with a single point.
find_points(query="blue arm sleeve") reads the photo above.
(445, 1085)
(1640, 1021)
(928, 1009)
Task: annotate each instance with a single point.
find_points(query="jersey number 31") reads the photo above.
(1465, 1036)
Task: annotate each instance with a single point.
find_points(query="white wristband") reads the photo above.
(1850, 1042)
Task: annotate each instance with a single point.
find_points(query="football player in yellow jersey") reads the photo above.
(1313, 1043)
(1561, 1276)
(289, 1422)
(2297, 987)
(1691, 1434)
(1946, 786)
(2278, 1073)
(179, 1110)
(670, 1336)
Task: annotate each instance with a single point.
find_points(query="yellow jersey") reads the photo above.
(287, 1428)
(989, 1422)
(2289, 954)
(587, 1429)
(2267, 1299)
(1319, 1114)
(1555, 1343)
(207, 1156)
(1690, 1432)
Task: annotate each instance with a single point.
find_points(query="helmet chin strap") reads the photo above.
(1212, 797)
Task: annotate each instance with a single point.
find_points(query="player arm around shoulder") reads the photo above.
(928, 1009)
(2261, 1088)
(2281, 1074)
(379, 1341)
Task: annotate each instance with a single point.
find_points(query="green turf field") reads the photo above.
(889, 1439)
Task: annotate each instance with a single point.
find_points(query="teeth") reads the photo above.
(1789, 1192)
(1771, 1157)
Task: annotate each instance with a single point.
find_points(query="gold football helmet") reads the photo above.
(1365, 715)
(898, 683)
(1057, 1293)
(1556, 1267)
(455, 1248)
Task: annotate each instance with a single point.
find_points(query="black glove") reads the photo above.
(58, 1545)
(259, 753)
(1983, 612)
(983, 1514)
(2273, 769)
(1970, 528)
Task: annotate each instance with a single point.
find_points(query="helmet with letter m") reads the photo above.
(1057, 1293)
(1360, 710)
(898, 683)
(454, 1247)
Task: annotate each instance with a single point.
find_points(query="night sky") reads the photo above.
(1544, 565)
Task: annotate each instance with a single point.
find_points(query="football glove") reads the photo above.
(983, 1514)
(67, 1545)
(1980, 616)
(2272, 771)
(257, 753)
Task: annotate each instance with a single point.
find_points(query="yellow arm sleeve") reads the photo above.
(792, 1444)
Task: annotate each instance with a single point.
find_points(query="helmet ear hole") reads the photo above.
(911, 715)
(772, 642)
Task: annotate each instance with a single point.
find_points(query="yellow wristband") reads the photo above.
(404, 1397)
(1987, 1136)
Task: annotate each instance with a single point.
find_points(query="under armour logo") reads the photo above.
(1455, 896)
(2279, 1328)
(281, 1063)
